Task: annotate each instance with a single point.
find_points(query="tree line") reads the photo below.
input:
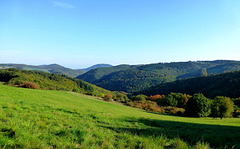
(196, 105)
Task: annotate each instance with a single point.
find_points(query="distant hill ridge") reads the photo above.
(54, 68)
(97, 66)
(133, 78)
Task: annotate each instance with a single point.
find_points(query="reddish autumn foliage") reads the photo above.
(146, 105)
(107, 97)
(29, 85)
(155, 97)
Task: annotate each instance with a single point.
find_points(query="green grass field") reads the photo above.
(56, 119)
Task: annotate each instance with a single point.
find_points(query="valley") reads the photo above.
(119, 74)
(66, 112)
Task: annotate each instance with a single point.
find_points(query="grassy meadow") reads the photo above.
(56, 119)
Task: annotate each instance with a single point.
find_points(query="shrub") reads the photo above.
(51, 88)
(155, 98)
(182, 102)
(131, 104)
(121, 98)
(236, 102)
(139, 98)
(198, 106)
(6, 76)
(89, 93)
(168, 100)
(201, 145)
(177, 111)
(101, 95)
(30, 85)
(76, 90)
(107, 97)
(236, 114)
(174, 111)
(146, 105)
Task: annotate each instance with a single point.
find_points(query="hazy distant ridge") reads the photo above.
(97, 66)
(54, 68)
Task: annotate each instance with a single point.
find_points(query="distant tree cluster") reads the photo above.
(226, 84)
(185, 105)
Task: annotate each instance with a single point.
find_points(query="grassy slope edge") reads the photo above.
(57, 119)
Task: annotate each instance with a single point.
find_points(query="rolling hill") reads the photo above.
(133, 78)
(48, 81)
(58, 69)
(53, 68)
(98, 73)
(225, 84)
(97, 66)
(58, 119)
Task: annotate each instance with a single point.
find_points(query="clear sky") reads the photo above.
(80, 33)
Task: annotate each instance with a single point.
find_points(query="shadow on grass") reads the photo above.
(215, 135)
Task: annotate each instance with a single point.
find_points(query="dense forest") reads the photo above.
(98, 73)
(133, 78)
(226, 84)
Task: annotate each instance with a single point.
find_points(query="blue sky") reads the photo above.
(80, 33)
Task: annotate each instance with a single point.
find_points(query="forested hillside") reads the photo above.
(226, 84)
(53, 68)
(58, 69)
(98, 73)
(139, 77)
(97, 66)
(48, 81)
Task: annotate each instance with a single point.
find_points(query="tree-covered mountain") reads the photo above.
(58, 69)
(133, 78)
(97, 66)
(49, 81)
(225, 84)
(98, 73)
(53, 68)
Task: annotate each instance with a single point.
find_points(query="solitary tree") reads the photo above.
(198, 106)
(204, 72)
(222, 107)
